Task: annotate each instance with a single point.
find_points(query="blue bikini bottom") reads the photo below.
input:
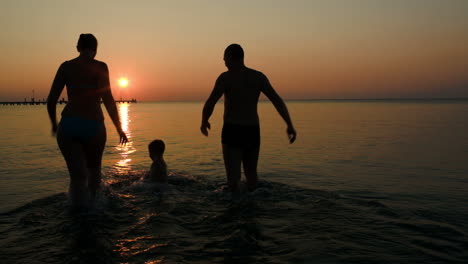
(79, 128)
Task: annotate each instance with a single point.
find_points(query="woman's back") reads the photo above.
(86, 80)
(81, 134)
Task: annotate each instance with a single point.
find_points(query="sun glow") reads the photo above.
(126, 151)
(123, 82)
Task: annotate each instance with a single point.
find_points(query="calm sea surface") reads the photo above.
(365, 182)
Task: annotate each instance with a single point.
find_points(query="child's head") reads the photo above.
(156, 148)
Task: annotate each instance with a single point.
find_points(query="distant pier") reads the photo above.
(43, 102)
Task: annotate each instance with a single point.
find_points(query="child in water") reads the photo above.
(158, 170)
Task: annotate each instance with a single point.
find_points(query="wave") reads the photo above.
(193, 220)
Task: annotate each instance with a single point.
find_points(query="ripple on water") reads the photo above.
(195, 221)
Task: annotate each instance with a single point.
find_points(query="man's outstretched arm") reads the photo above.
(209, 106)
(281, 107)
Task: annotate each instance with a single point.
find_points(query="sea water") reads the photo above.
(370, 181)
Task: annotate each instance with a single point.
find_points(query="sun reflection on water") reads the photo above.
(124, 164)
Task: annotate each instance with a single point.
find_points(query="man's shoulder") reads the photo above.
(68, 63)
(221, 77)
(256, 74)
(223, 74)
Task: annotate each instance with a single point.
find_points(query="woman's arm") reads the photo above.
(54, 94)
(111, 107)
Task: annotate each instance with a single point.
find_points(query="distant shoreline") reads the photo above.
(332, 100)
(323, 100)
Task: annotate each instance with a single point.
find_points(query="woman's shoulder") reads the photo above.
(77, 61)
(100, 63)
(102, 66)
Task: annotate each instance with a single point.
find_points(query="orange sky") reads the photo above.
(172, 50)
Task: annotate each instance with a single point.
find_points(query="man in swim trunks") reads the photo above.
(241, 87)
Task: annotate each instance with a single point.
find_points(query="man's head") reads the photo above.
(156, 148)
(234, 56)
(87, 45)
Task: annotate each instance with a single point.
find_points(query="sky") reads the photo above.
(173, 50)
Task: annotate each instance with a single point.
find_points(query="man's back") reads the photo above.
(241, 92)
(240, 136)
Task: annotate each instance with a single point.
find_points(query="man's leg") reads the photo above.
(232, 162)
(250, 161)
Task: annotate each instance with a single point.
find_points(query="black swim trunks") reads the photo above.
(241, 136)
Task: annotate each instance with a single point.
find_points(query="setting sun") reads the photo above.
(123, 82)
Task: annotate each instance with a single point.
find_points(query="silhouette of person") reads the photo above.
(241, 87)
(158, 169)
(81, 134)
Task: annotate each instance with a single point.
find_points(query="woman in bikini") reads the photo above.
(81, 134)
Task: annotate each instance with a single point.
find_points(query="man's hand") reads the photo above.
(291, 134)
(205, 126)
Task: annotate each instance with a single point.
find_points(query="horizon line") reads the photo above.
(325, 99)
(308, 99)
